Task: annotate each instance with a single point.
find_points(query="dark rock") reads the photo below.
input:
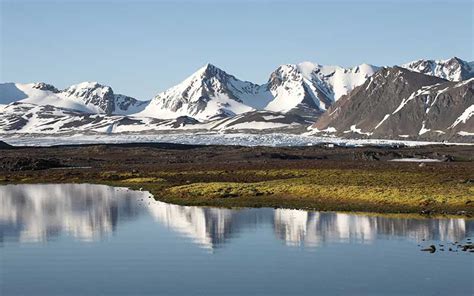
(45, 86)
(363, 112)
(184, 120)
(431, 249)
(4, 145)
(29, 164)
(467, 247)
(371, 155)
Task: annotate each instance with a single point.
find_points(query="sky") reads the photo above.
(141, 48)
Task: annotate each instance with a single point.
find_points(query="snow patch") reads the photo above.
(416, 160)
(356, 130)
(423, 129)
(380, 123)
(464, 116)
(273, 117)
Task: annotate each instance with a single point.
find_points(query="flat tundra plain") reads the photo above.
(438, 181)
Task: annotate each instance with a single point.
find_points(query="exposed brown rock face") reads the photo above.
(398, 103)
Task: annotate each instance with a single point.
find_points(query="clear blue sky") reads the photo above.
(141, 48)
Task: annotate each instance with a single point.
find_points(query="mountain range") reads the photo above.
(423, 100)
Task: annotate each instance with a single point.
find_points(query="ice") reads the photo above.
(208, 138)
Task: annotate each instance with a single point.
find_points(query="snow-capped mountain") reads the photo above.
(307, 86)
(208, 93)
(453, 69)
(415, 101)
(88, 97)
(398, 103)
(303, 89)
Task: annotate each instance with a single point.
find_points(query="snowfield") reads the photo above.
(242, 139)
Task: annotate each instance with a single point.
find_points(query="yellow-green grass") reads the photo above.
(143, 180)
(350, 190)
(362, 190)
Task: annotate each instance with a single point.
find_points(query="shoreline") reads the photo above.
(393, 215)
(348, 179)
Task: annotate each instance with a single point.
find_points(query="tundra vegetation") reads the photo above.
(306, 178)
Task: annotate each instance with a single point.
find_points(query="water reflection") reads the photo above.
(208, 227)
(42, 212)
(88, 212)
(314, 228)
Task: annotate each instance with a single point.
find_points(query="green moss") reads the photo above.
(397, 191)
(379, 190)
(114, 175)
(143, 180)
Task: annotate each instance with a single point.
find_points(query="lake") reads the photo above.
(82, 239)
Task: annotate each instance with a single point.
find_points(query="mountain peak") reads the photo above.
(87, 85)
(459, 60)
(209, 70)
(388, 103)
(363, 100)
(87, 88)
(93, 94)
(453, 69)
(45, 86)
(400, 74)
(209, 66)
(207, 93)
(306, 67)
(312, 84)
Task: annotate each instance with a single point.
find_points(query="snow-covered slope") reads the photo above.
(312, 86)
(209, 92)
(24, 118)
(453, 69)
(38, 94)
(88, 97)
(304, 89)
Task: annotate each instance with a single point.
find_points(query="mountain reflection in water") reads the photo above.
(89, 212)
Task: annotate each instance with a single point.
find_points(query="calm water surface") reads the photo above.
(91, 239)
